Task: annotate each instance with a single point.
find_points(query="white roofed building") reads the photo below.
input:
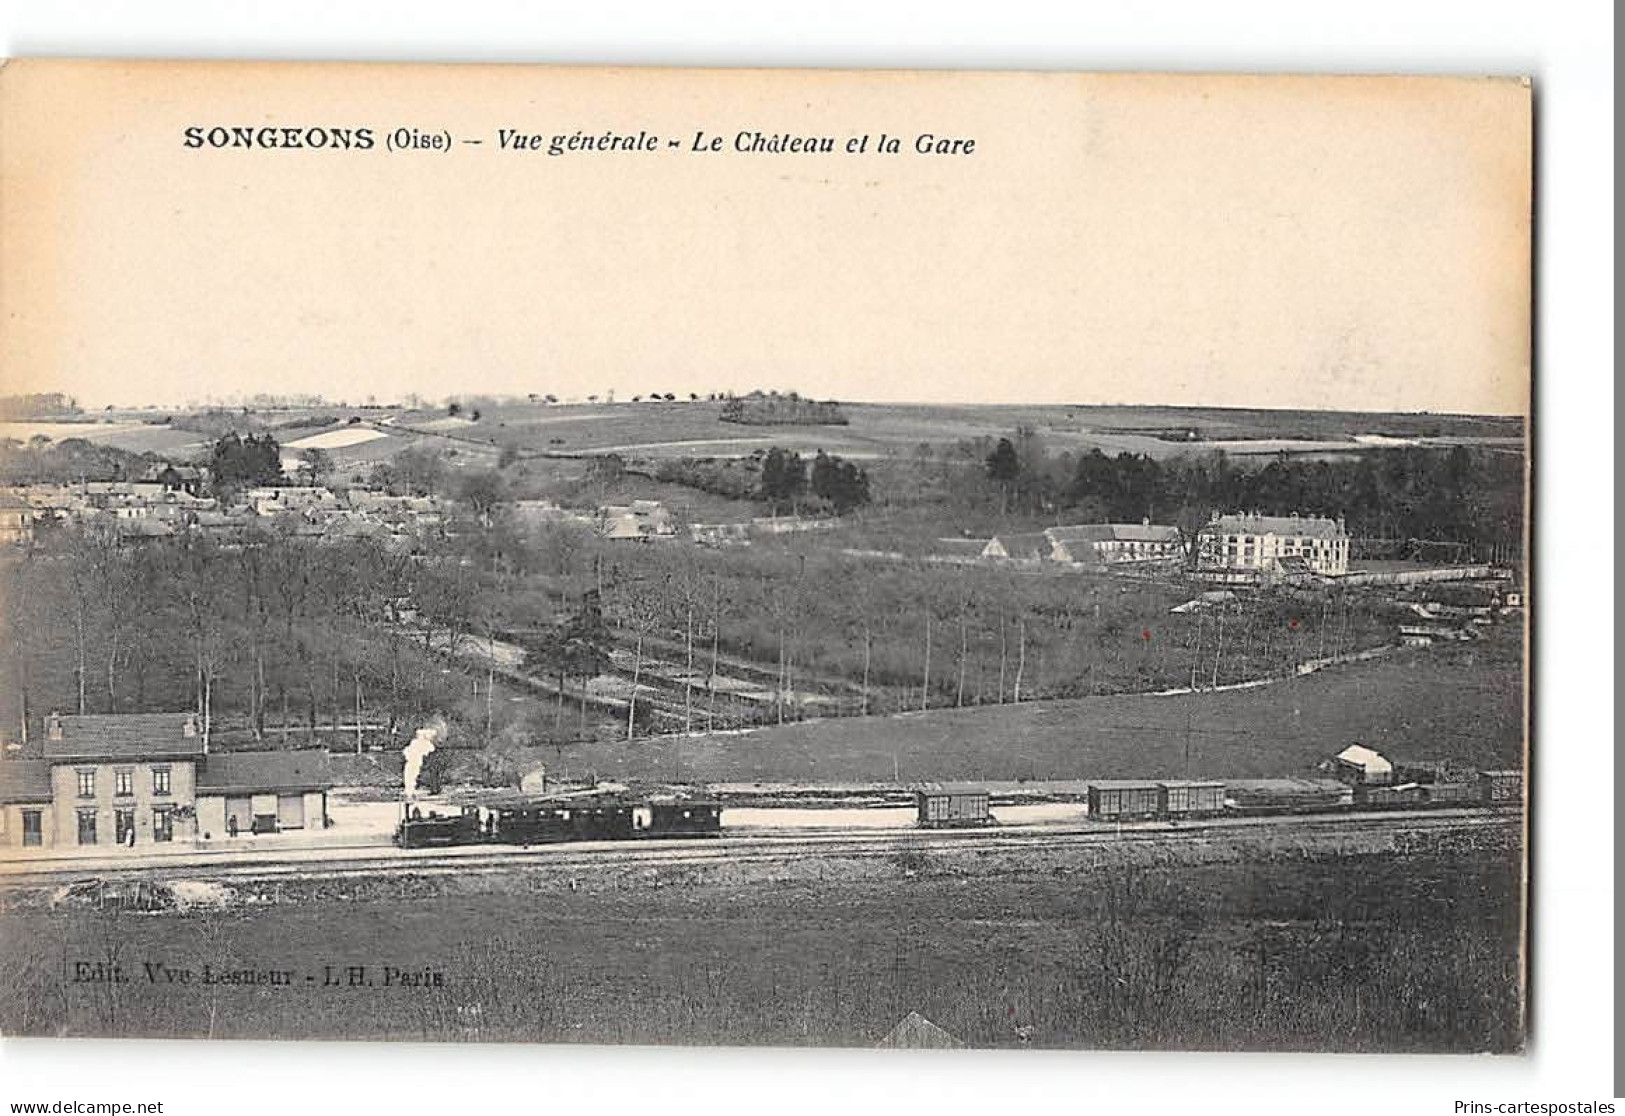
(1359, 764)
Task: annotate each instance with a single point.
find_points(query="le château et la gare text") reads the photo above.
(221, 137)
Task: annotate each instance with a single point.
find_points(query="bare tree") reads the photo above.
(637, 605)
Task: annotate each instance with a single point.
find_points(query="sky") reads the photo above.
(1340, 243)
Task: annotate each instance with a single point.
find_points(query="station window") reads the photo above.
(87, 783)
(124, 782)
(87, 826)
(160, 780)
(163, 824)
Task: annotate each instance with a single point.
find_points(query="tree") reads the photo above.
(838, 481)
(638, 605)
(1004, 470)
(784, 478)
(578, 647)
(435, 772)
(316, 465)
(483, 492)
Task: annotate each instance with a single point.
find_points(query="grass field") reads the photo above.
(659, 429)
(1462, 703)
(1375, 952)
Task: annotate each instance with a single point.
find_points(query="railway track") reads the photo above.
(746, 848)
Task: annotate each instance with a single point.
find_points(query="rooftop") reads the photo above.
(1030, 544)
(122, 736)
(263, 772)
(25, 780)
(1312, 526)
(951, 788)
(1115, 532)
(1364, 757)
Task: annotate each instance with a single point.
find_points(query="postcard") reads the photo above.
(737, 558)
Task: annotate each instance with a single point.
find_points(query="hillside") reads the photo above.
(1458, 703)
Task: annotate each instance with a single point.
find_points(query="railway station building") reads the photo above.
(148, 778)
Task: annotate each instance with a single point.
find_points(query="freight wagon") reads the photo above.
(1451, 794)
(1288, 796)
(1389, 798)
(1186, 799)
(1502, 786)
(940, 806)
(1124, 799)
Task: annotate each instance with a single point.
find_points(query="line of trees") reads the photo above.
(1471, 496)
(772, 409)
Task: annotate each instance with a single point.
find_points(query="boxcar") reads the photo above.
(1502, 786)
(1452, 793)
(1120, 800)
(945, 807)
(1186, 799)
(682, 818)
(1388, 798)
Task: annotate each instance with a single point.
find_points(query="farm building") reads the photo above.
(1032, 546)
(1110, 543)
(1360, 765)
(941, 805)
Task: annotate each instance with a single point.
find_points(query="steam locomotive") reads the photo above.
(519, 819)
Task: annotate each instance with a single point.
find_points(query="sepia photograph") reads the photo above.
(765, 558)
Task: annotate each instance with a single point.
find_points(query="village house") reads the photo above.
(1111, 543)
(1256, 545)
(149, 778)
(188, 479)
(308, 499)
(16, 520)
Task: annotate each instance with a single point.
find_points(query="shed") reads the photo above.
(1359, 764)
